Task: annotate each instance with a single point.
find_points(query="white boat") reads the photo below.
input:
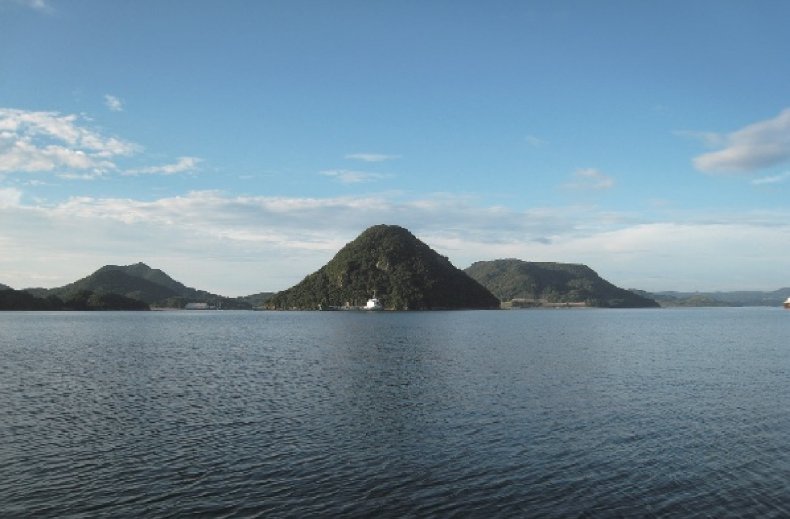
(787, 303)
(373, 304)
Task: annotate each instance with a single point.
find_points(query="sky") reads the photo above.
(237, 145)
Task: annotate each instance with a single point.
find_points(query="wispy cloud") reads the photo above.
(67, 147)
(589, 179)
(774, 179)
(708, 139)
(113, 103)
(41, 6)
(81, 176)
(347, 176)
(753, 147)
(535, 142)
(182, 165)
(371, 157)
(49, 141)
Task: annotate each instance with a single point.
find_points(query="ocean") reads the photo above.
(535, 413)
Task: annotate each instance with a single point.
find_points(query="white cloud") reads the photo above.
(708, 139)
(774, 179)
(756, 146)
(182, 165)
(535, 142)
(10, 197)
(81, 176)
(48, 141)
(590, 179)
(37, 5)
(347, 176)
(371, 157)
(113, 103)
(243, 244)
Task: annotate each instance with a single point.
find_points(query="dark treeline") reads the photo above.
(81, 300)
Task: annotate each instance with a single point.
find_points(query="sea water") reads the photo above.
(537, 413)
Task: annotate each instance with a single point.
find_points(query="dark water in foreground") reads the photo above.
(677, 413)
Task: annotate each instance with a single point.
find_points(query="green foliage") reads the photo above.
(88, 300)
(256, 300)
(386, 260)
(510, 279)
(114, 280)
(20, 300)
(136, 282)
(79, 300)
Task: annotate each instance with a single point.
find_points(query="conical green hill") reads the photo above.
(390, 262)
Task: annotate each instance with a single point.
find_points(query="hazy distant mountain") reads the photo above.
(5, 287)
(735, 298)
(139, 282)
(401, 270)
(510, 279)
(257, 300)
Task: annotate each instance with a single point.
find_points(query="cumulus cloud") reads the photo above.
(371, 157)
(66, 146)
(590, 179)
(49, 141)
(756, 146)
(347, 176)
(182, 165)
(113, 103)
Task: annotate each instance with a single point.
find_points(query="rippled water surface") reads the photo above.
(666, 413)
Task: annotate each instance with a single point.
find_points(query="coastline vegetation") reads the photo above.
(386, 261)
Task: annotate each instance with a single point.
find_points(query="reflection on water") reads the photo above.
(523, 413)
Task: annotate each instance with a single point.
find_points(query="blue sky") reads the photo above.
(238, 145)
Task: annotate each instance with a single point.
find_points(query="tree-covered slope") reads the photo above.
(113, 280)
(79, 300)
(402, 271)
(139, 282)
(510, 279)
(257, 300)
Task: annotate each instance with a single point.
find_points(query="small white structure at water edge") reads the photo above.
(373, 304)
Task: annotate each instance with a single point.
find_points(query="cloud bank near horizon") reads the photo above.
(258, 243)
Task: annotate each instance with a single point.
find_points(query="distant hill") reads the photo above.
(513, 279)
(5, 287)
(257, 300)
(403, 272)
(142, 283)
(735, 298)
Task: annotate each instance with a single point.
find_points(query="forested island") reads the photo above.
(391, 263)
(526, 284)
